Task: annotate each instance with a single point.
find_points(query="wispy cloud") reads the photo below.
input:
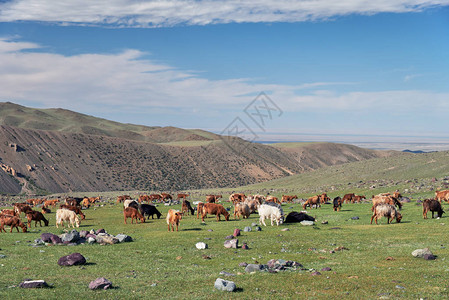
(131, 13)
(126, 80)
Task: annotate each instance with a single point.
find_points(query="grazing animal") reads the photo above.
(186, 207)
(149, 210)
(358, 198)
(442, 195)
(166, 196)
(252, 204)
(85, 203)
(156, 197)
(199, 209)
(270, 212)
(173, 218)
(241, 209)
(74, 201)
(324, 198)
(127, 203)
(433, 206)
(36, 216)
(144, 198)
(21, 208)
(12, 221)
(69, 216)
(51, 203)
(337, 202)
(131, 212)
(45, 210)
(386, 198)
(75, 209)
(182, 196)
(288, 199)
(386, 210)
(295, 217)
(123, 198)
(214, 209)
(8, 212)
(315, 200)
(348, 198)
(210, 199)
(237, 197)
(273, 199)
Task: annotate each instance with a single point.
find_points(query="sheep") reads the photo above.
(270, 212)
(385, 210)
(173, 218)
(76, 209)
(69, 216)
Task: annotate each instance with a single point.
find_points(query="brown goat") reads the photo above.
(12, 221)
(36, 216)
(385, 210)
(315, 200)
(199, 209)
(214, 209)
(131, 212)
(173, 218)
(433, 206)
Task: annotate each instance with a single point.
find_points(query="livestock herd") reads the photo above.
(267, 207)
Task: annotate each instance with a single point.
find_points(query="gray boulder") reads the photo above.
(255, 268)
(73, 259)
(91, 240)
(33, 284)
(225, 285)
(421, 252)
(70, 237)
(123, 238)
(201, 245)
(247, 229)
(51, 238)
(232, 243)
(307, 223)
(104, 238)
(100, 283)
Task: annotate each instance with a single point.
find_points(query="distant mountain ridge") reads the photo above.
(57, 150)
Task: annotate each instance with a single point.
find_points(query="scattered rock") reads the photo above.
(73, 259)
(210, 230)
(224, 285)
(254, 268)
(245, 246)
(307, 223)
(400, 287)
(91, 240)
(33, 284)
(247, 229)
(236, 232)
(229, 237)
(51, 238)
(123, 238)
(201, 245)
(100, 283)
(70, 237)
(285, 229)
(101, 231)
(316, 273)
(178, 257)
(421, 252)
(327, 269)
(341, 248)
(226, 273)
(324, 222)
(389, 258)
(83, 233)
(355, 218)
(429, 257)
(104, 238)
(253, 224)
(243, 264)
(232, 243)
(257, 228)
(206, 257)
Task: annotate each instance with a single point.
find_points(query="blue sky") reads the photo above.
(348, 68)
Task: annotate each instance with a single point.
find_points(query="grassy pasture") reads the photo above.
(171, 261)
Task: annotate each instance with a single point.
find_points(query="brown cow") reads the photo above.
(144, 198)
(358, 198)
(442, 195)
(433, 206)
(211, 199)
(36, 216)
(53, 202)
(214, 209)
(273, 199)
(75, 209)
(12, 221)
(186, 207)
(182, 196)
(166, 196)
(131, 212)
(173, 218)
(199, 209)
(315, 200)
(288, 199)
(155, 197)
(348, 198)
(123, 198)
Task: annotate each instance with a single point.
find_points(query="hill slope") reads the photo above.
(115, 156)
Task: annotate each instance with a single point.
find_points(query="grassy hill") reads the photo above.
(56, 150)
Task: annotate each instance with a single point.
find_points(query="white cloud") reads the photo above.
(127, 80)
(131, 13)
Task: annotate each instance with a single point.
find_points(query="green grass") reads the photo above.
(360, 272)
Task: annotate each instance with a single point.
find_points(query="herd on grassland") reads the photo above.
(269, 207)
